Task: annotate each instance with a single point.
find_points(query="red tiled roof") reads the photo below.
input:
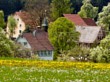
(26, 17)
(89, 21)
(76, 19)
(40, 41)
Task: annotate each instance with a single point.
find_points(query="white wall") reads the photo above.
(22, 41)
(45, 55)
(20, 26)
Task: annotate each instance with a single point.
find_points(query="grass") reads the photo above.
(33, 74)
(15, 70)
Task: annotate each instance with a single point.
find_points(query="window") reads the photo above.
(25, 43)
(49, 53)
(41, 53)
(20, 31)
(20, 25)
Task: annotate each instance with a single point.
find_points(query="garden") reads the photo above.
(16, 70)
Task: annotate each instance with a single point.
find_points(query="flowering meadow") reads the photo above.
(53, 71)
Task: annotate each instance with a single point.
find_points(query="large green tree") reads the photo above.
(11, 25)
(60, 7)
(62, 35)
(88, 10)
(2, 22)
(104, 17)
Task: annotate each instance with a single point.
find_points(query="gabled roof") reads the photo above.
(89, 21)
(39, 41)
(88, 34)
(26, 17)
(76, 19)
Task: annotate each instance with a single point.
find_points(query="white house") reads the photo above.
(23, 20)
(38, 42)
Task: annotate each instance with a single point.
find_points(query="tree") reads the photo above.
(102, 52)
(87, 10)
(2, 22)
(60, 7)
(11, 25)
(105, 43)
(104, 17)
(6, 45)
(62, 35)
(37, 9)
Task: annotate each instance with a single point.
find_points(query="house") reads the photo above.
(38, 42)
(89, 31)
(24, 21)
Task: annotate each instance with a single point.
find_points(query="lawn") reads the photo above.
(42, 71)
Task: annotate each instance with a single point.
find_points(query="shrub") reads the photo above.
(6, 45)
(76, 54)
(100, 54)
(79, 53)
(22, 52)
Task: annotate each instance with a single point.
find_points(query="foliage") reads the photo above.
(21, 52)
(102, 52)
(79, 53)
(33, 74)
(87, 10)
(104, 17)
(60, 7)
(2, 22)
(37, 9)
(11, 24)
(105, 43)
(12, 6)
(6, 45)
(62, 34)
(99, 54)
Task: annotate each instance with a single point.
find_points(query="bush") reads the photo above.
(76, 54)
(22, 52)
(6, 45)
(79, 53)
(100, 54)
